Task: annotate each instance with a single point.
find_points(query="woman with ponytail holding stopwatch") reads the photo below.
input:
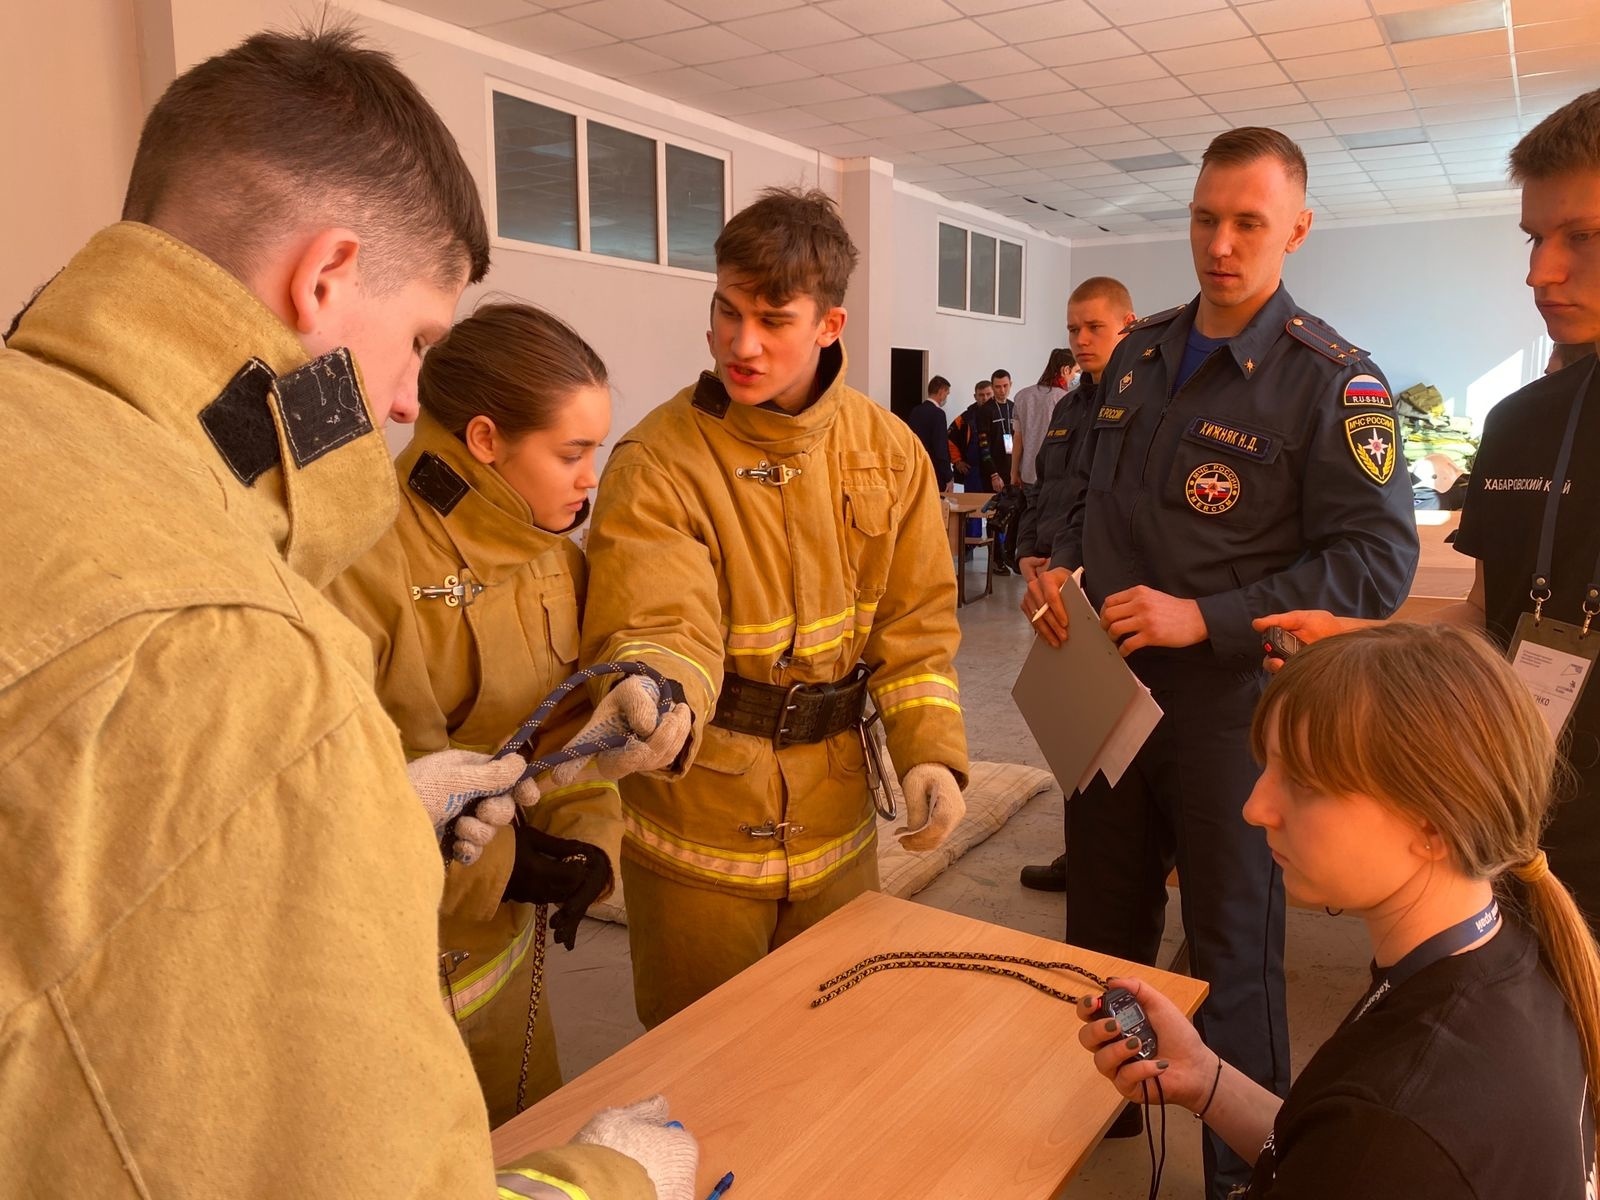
(1468, 1069)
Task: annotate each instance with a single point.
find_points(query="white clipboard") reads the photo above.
(1087, 711)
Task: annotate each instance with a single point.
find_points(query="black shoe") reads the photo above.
(1129, 1123)
(1051, 878)
(1001, 569)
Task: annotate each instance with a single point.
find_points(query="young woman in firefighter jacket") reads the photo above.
(471, 602)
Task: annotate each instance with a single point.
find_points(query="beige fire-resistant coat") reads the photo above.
(218, 916)
(700, 572)
(466, 675)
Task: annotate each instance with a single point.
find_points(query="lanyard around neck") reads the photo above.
(1540, 590)
(1441, 945)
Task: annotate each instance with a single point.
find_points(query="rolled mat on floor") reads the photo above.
(994, 792)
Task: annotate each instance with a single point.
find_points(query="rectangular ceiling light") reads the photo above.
(1149, 162)
(1167, 214)
(948, 95)
(1493, 185)
(1384, 137)
(1474, 16)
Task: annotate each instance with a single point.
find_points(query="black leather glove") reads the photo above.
(560, 871)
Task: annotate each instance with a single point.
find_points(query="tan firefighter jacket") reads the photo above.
(218, 916)
(468, 673)
(699, 571)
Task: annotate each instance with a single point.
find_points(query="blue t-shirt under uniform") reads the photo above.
(1195, 351)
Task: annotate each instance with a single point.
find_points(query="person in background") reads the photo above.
(514, 405)
(1545, 434)
(980, 453)
(927, 421)
(1471, 1066)
(1031, 411)
(1030, 415)
(1099, 312)
(222, 946)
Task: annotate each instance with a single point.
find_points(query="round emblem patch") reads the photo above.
(1212, 488)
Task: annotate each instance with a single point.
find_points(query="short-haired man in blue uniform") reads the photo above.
(1244, 459)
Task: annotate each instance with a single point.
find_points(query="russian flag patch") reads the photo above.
(1367, 391)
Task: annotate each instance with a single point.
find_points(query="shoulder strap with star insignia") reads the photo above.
(1160, 318)
(1325, 340)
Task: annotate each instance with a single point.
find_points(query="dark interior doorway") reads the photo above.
(908, 380)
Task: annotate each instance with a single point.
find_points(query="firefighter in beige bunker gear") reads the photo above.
(472, 610)
(737, 545)
(229, 909)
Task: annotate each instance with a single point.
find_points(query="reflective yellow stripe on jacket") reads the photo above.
(756, 868)
(471, 992)
(524, 1183)
(916, 691)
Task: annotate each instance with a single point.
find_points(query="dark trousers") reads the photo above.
(1572, 839)
(1179, 804)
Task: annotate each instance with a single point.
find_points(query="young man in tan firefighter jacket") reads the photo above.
(772, 540)
(218, 970)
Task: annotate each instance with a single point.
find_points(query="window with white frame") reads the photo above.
(569, 182)
(979, 273)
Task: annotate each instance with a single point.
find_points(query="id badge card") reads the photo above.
(1008, 441)
(1554, 659)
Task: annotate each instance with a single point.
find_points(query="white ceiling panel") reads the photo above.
(885, 16)
(1058, 88)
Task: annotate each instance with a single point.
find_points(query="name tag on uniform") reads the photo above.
(1554, 659)
(1251, 443)
(1008, 441)
(1111, 414)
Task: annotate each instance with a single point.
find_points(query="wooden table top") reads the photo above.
(914, 1083)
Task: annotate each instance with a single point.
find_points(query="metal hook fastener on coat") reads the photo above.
(764, 472)
(457, 591)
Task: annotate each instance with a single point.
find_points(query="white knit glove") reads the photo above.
(631, 708)
(933, 806)
(452, 782)
(670, 1156)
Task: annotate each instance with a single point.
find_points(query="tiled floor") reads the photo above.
(591, 988)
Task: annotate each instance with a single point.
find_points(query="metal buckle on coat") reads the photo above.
(458, 591)
(782, 730)
(765, 472)
(780, 830)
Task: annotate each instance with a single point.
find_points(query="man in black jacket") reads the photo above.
(927, 421)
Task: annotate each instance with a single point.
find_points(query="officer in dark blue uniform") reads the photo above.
(1243, 459)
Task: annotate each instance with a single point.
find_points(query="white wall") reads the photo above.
(961, 348)
(70, 74)
(648, 326)
(1440, 302)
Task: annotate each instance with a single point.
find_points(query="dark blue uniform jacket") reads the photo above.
(1272, 480)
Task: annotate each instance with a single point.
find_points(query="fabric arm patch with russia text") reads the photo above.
(1367, 391)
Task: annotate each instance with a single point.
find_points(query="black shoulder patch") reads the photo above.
(322, 407)
(1309, 331)
(239, 423)
(710, 396)
(436, 482)
(1160, 318)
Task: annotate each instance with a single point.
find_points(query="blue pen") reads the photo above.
(722, 1187)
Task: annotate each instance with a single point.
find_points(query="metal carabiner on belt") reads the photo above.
(877, 778)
